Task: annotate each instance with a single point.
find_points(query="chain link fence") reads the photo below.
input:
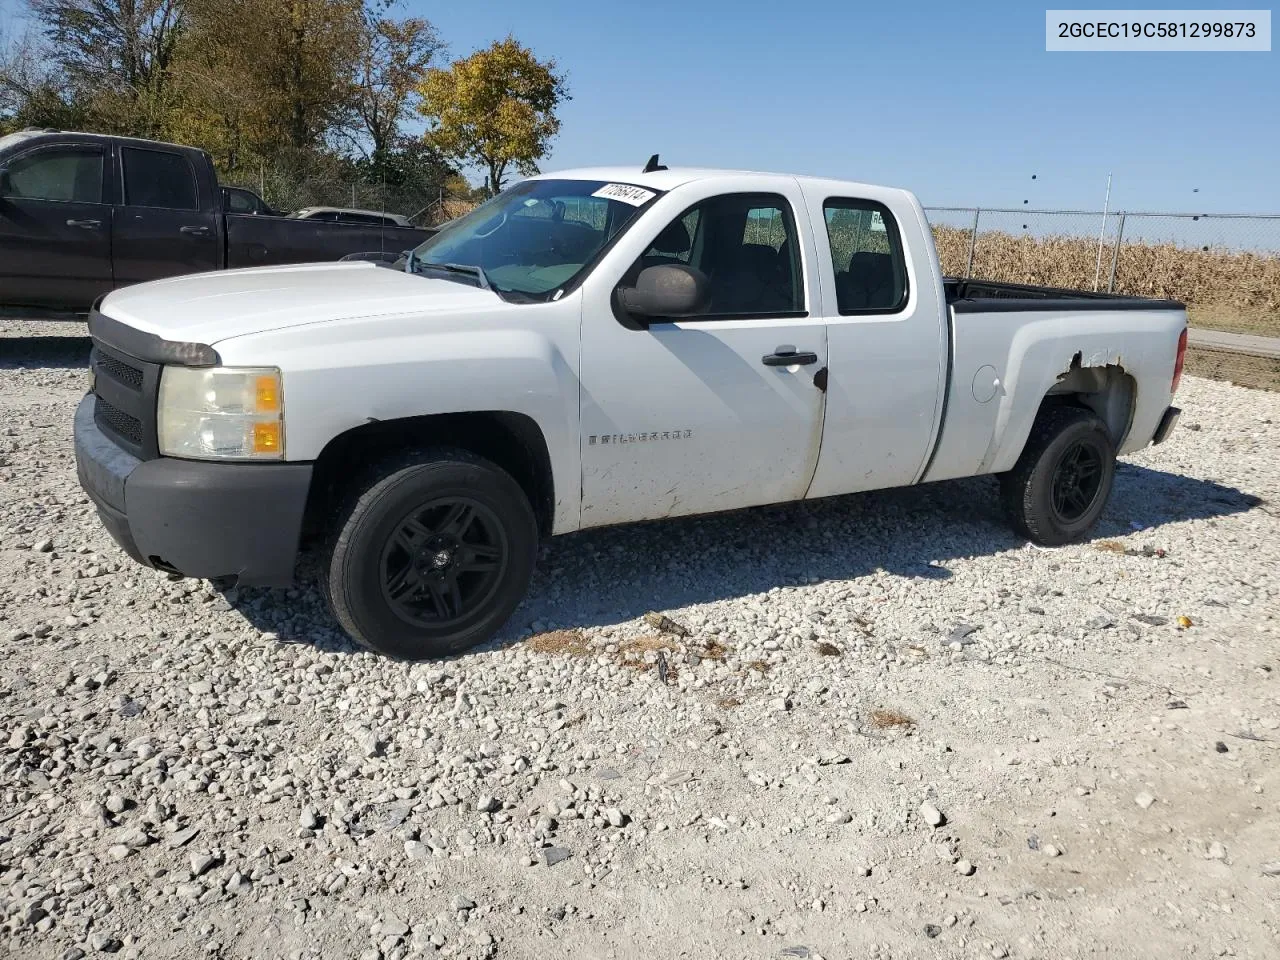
(425, 204)
(1224, 267)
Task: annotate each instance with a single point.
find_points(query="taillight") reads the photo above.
(1182, 356)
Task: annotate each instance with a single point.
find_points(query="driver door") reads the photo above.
(697, 415)
(55, 229)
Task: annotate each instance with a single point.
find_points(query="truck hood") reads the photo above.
(210, 307)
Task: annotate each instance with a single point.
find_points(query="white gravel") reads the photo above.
(893, 731)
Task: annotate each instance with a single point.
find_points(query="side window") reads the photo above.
(675, 243)
(156, 179)
(746, 245)
(70, 174)
(866, 255)
(238, 202)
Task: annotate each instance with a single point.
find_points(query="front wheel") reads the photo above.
(432, 557)
(1060, 485)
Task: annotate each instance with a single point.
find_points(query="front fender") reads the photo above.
(341, 376)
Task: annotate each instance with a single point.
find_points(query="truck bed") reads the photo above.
(990, 296)
(256, 241)
(1010, 340)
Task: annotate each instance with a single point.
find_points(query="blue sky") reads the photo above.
(958, 102)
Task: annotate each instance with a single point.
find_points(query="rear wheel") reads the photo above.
(1060, 485)
(431, 557)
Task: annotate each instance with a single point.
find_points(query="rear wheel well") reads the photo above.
(512, 441)
(1108, 391)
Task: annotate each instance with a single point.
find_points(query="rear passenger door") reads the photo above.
(163, 225)
(886, 339)
(715, 411)
(55, 229)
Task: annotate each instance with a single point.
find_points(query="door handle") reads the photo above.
(786, 356)
(85, 224)
(195, 231)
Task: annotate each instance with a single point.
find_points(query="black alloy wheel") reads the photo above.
(1059, 487)
(1077, 479)
(430, 553)
(444, 561)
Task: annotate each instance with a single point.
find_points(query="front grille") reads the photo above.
(116, 420)
(121, 372)
(126, 389)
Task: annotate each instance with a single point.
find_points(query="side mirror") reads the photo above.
(667, 290)
(5, 185)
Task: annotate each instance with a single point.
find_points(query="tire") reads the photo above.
(1043, 503)
(407, 574)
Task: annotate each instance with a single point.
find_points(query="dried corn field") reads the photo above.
(1237, 291)
(1232, 286)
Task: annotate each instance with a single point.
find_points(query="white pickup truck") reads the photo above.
(588, 348)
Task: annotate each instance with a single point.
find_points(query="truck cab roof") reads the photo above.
(33, 133)
(670, 178)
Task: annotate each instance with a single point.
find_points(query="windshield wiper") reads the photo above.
(472, 269)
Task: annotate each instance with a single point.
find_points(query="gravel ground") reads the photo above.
(893, 730)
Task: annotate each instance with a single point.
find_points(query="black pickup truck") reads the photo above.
(82, 214)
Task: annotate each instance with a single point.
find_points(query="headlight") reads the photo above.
(215, 413)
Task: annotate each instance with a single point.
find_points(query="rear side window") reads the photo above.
(156, 179)
(70, 174)
(240, 202)
(866, 255)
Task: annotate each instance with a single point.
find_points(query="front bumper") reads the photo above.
(199, 519)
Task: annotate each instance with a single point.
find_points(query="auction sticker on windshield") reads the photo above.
(626, 192)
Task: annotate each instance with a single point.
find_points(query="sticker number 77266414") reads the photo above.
(626, 192)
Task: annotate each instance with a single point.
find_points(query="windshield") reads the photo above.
(533, 239)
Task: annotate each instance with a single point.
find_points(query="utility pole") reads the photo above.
(1102, 232)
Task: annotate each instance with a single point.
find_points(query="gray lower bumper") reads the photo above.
(1167, 423)
(198, 519)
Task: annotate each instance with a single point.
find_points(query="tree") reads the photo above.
(32, 93)
(494, 109)
(405, 162)
(392, 60)
(310, 96)
(115, 57)
(268, 78)
(115, 43)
